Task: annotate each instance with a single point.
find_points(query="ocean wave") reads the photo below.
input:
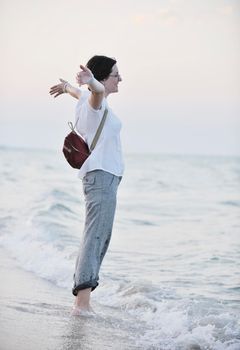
(43, 259)
(143, 222)
(232, 203)
(59, 208)
(173, 322)
(64, 196)
(55, 211)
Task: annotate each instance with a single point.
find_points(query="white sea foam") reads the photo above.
(172, 322)
(39, 257)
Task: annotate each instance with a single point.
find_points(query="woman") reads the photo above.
(101, 173)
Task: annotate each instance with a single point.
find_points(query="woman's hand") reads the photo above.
(59, 89)
(85, 76)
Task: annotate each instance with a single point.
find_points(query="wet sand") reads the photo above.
(35, 314)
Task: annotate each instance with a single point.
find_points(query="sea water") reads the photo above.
(173, 264)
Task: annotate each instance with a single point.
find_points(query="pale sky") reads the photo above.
(179, 61)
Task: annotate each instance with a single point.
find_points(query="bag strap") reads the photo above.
(98, 132)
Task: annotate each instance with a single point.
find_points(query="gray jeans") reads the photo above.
(100, 190)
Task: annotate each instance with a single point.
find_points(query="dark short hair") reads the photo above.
(101, 66)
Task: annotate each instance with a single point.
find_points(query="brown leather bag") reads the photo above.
(75, 149)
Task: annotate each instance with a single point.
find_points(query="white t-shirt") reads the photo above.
(107, 155)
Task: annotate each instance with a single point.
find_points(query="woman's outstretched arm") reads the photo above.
(85, 76)
(65, 87)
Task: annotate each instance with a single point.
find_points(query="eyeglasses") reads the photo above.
(117, 75)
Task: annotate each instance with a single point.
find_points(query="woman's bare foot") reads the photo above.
(78, 311)
(82, 304)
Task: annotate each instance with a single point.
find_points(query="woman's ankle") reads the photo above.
(82, 307)
(82, 300)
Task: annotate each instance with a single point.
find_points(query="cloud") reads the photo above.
(141, 18)
(162, 16)
(166, 16)
(225, 10)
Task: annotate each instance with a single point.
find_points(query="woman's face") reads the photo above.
(111, 83)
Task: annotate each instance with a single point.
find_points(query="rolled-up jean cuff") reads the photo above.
(90, 284)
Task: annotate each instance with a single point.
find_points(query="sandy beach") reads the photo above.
(35, 314)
